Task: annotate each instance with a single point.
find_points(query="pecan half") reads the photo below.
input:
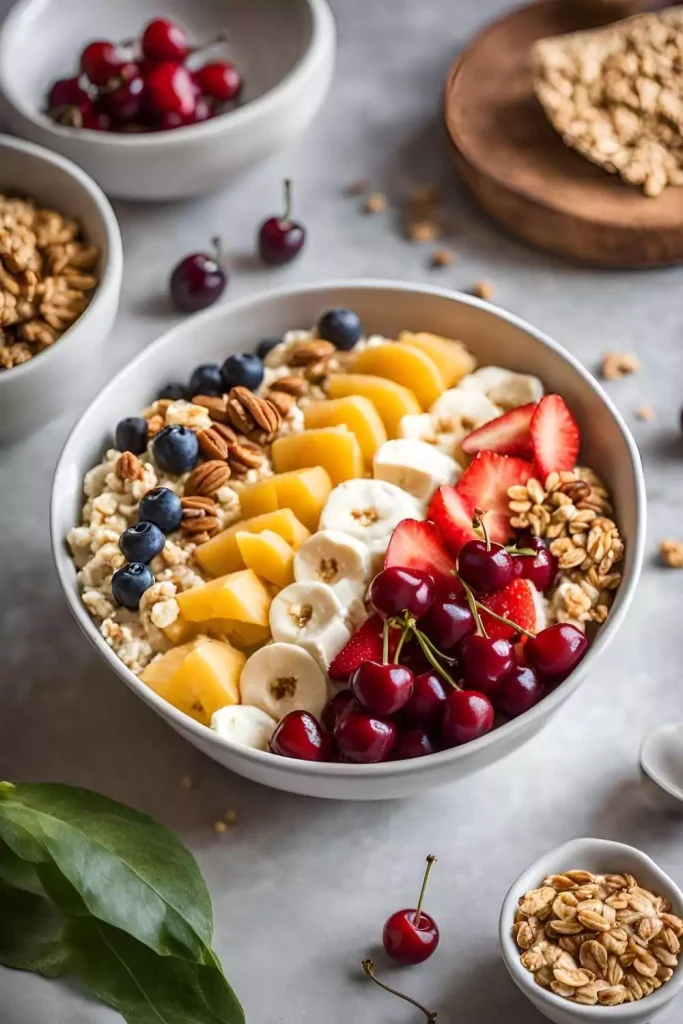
(290, 385)
(283, 402)
(213, 443)
(215, 405)
(129, 467)
(207, 478)
(200, 515)
(252, 415)
(303, 353)
(243, 456)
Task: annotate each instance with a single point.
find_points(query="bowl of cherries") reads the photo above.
(161, 106)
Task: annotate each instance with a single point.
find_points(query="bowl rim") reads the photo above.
(113, 258)
(323, 35)
(650, 770)
(560, 859)
(393, 769)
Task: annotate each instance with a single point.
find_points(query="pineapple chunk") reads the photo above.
(221, 555)
(239, 595)
(207, 679)
(355, 412)
(404, 365)
(303, 491)
(243, 635)
(391, 400)
(158, 674)
(454, 360)
(268, 555)
(180, 631)
(336, 449)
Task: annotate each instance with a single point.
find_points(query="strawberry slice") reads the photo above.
(418, 545)
(507, 435)
(484, 484)
(514, 602)
(452, 515)
(555, 436)
(364, 645)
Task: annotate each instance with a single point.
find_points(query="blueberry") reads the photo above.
(176, 449)
(266, 346)
(245, 370)
(207, 380)
(140, 543)
(162, 507)
(131, 435)
(129, 583)
(340, 326)
(176, 392)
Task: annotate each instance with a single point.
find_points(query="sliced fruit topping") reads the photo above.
(485, 483)
(555, 436)
(509, 434)
(514, 602)
(418, 545)
(452, 514)
(364, 645)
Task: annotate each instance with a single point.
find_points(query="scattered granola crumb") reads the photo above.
(220, 827)
(671, 552)
(423, 231)
(187, 783)
(441, 258)
(618, 364)
(358, 188)
(230, 817)
(423, 197)
(483, 290)
(644, 412)
(375, 203)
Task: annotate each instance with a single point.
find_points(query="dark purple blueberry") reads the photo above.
(140, 543)
(176, 449)
(163, 507)
(131, 435)
(207, 379)
(340, 326)
(174, 391)
(243, 370)
(267, 345)
(129, 583)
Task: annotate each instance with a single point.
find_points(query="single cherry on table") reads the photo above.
(280, 239)
(198, 280)
(411, 936)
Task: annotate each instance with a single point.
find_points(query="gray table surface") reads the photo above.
(301, 888)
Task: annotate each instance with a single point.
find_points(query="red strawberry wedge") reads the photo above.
(418, 545)
(514, 602)
(452, 515)
(507, 435)
(484, 485)
(555, 436)
(364, 645)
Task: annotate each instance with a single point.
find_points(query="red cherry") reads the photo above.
(363, 738)
(162, 39)
(66, 92)
(486, 662)
(280, 239)
(426, 703)
(381, 689)
(447, 623)
(126, 101)
(94, 118)
(556, 650)
(467, 716)
(412, 743)
(411, 936)
(485, 566)
(335, 708)
(220, 79)
(170, 89)
(298, 735)
(519, 691)
(541, 568)
(100, 62)
(198, 281)
(202, 112)
(396, 590)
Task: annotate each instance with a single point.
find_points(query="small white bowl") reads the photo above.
(496, 337)
(59, 378)
(661, 758)
(286, 50)
(600, 856)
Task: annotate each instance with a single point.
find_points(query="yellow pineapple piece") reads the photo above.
(336, 449)
(453, 359)
(158, 674)
(243, 635)
(207, 679)
(180, 631)
(239, 595)
(268, 555)
(221, 555)
(303, 491)
(391, 400)
(404, 365)
(357, 413)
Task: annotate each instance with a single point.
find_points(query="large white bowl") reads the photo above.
(495, 337)
(58, 379)
(286, 48)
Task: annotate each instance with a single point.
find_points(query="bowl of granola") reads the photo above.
(60, 276)
(371, 543)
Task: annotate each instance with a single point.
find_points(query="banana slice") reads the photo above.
(369, 510)
(505, 388)
(462, 410)
(330, 556)
(414, 466)
(541, 606)
(312, 616)
(423, 428)
(351, 598)
(245, 725)
(280, 678)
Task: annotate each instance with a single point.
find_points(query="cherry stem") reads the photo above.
(402, 640)
(287, 183)
(385, 643)
(422, 640)
(479, 515)
(516, 552)
(472, 602)
(217, 243)
(506, 622)
(418, 912)
(368, 966)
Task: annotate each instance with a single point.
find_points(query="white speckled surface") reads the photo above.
(301, 888)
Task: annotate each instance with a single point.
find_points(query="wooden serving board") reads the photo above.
(519, 170)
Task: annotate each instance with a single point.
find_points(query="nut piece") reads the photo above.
(423, 231)
(483, 290)
(441, 258)
(304, 353)
(375, 203)
(243, 456)
(256, 417)
(283, 402)
(207, 478)
(129, 467)
(213, 444)
(200, 515)
(290, 386)
(216, 406)
(618, 364)
(671, 552)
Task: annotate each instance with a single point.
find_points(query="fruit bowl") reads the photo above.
(384, 307)
(286, 51)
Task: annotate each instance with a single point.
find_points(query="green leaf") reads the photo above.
(18, 873)
(130, 872)
(32, 934)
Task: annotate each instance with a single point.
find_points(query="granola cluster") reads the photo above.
(597, 939)
(616, 95)
(48, 273)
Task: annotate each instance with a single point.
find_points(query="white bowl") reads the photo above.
(601, 857)
(286, 50)
(385, 307)
(58, 379)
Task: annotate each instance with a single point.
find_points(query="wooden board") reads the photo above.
(519, 170)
